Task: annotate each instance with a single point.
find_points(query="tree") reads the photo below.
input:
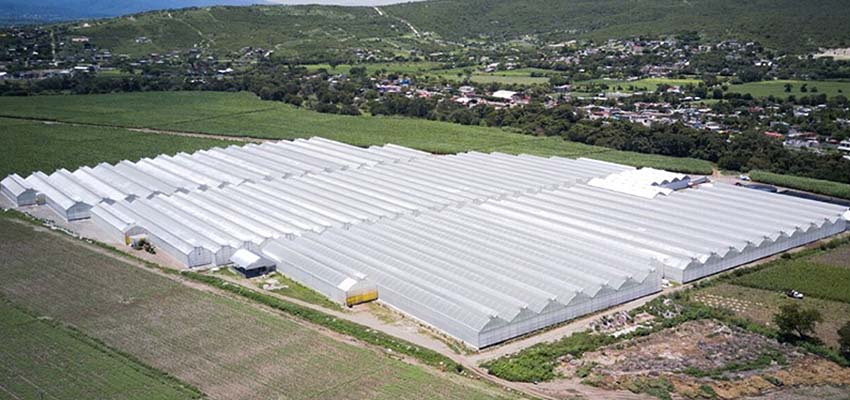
(795, 321)
(844, 340)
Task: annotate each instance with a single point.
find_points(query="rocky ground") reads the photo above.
(706, 359)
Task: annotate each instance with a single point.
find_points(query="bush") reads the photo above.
(794, 321)
(844, 341)
(538, 362)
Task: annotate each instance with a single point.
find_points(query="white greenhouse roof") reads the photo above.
(484, 247)
(206, 169)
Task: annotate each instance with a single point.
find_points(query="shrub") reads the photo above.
(794, 321)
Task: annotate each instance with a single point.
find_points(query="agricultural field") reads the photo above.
(38, 146)
(777, 88)
(828, 188)
(227, 348)
(822, 275)
(371, 68)
(243, 114)
(640, 85)
(686, 165)
(522, 76)
(823, 281)
(39, 358)
(760, 305)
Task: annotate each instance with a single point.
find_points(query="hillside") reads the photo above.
(27, 11)
(789, 24)
(299, 31)
(296, 31)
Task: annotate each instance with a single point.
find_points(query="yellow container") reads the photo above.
(361, 298)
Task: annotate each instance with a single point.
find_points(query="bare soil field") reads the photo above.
(228, 348)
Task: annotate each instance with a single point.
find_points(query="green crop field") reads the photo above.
(687, 165)
(229, 349)
(815, 279)
(243, 114)
(828, 188)
(36, 146)
(777, 88)
(39, 359)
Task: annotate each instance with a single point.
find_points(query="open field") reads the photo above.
(229, 349)
(371, 68)
(41, 359)
(242, 114)
(640, 85)
(777, 88)
(522, 76)
(36, 146)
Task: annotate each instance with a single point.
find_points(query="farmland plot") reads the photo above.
(227, 348)
(243, 114)
(36, 146)
(39, 359)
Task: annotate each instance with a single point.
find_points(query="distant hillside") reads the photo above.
(792, 24)
(303, 32)
(291, 31)
(30, 11)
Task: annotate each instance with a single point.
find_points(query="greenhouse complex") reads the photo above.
(483, 247)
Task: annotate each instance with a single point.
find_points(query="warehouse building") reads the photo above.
(483, 247)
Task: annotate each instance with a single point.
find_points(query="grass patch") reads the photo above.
(777, 88)
(537, 363)
(298, 291)
(829, 188)
(656, 387)
(639, 85)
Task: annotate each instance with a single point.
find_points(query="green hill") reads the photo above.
(291, 31)
(313, 32)
(792, 24)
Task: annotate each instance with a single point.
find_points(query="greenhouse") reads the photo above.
(18, 191)
(483, 247)
(202, 170)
